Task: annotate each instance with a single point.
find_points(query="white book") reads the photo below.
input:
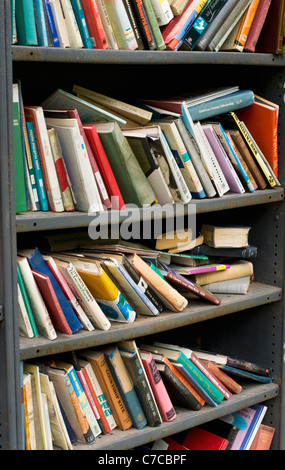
(210, 161)
(122, 27)
(52, 187)
(59, 21)
(231, 286)
(71, 25)
(82, 293)
(162, 11)
(29, 403)
(46, 422)
(40, 312)
(84, 187)
(24, 322)
(107, 25)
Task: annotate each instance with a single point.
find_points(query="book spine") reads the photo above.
(160, 44)
(71, 24)
(228, 381)
(133, 22)
(29, 162)
(81, 21)
(107, 25)
(25, 23)
(245, 26)
(94, 24)
(249, 366)
(201, 23)
(257, 25)
(177, 391)
(51, 22)
(144, 25)
(254, 151)
(163, 11)
(120, 20)
(40, 23)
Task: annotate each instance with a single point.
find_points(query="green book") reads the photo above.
(160, 44)
(20, 184)
(25, 23)
(133, 183)
(27, 303)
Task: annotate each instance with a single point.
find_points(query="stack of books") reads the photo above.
(236, 25)
(90, 152)
(76, 396)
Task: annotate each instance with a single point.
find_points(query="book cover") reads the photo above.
(25, 23)
(105, 377)
(94, 24)
(132, 360)
(133, 184)
(161, 395)
(263, 438)
(82, 24)
(38, 263)
(126, 386)
(200, 439)
(20, 185)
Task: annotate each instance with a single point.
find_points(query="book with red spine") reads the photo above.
(161, 395)
(104, 166)
(257, 25)
(94, 24)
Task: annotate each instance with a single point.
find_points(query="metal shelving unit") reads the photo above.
(253, 323)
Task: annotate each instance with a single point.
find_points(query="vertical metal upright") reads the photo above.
(10, 389)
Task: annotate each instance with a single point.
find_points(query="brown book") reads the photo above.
(241, 145)
(271, 37)
(228, 382)
(105, 378)
(237, 269)
(263, 438)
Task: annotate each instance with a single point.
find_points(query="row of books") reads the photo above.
(91, 152)
(222, 434)
(238, 25)
(76, 396)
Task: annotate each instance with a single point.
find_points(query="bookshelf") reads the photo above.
(253, 323)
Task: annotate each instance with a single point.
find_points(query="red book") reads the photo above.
(49, 296)
(167, 443)
(160, 393)
(261, 119)
(104, 166)
(257, 25)
(94, 24)
(200, 439)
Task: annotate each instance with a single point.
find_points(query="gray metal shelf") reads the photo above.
(36, 221)
(121, 440)
(197, 311)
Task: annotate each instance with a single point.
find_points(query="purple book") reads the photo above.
(199, 269)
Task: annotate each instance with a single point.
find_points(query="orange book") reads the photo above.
(245, 25)
(261, 119)
(230, 383)
(263, 438)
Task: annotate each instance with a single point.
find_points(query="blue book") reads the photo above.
(51, 23)
(260, 411)
(82, 25)
(246, 374)
(125, 386)
(25, 23)
(221, 105)
(40, 23)
(37, 167)
(38, 263)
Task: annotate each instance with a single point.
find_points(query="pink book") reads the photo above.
(87, 325)
(257, 25)
(224, 161)
(207, 268)
(53, 306)
(160, 393)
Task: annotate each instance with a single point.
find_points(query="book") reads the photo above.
(71, 25)
(257, 25)
(163, 12)
(161, 395)
(245, 26)
(178, 356)
(105, 292)
(83, 295)
(134, 24)
(244, 252)
(232, 286)
(207, 268)
(142, 148)
(104, 167)
(133, 184)
(221, 375)
(81, 22)
(19, 169)
(125, 385)
(154, 24)
(144, 24)
(247, 375)
(38, 263)
(30, 437)
(263, 438)
(254, 116)
(25, 23)
(25, 328)
(82, 180)
(60, 170)
(40, 313)
(232, 236)
(60, 26)
(249, 419)
(200, 439)
(176, 301)
(86, 323)
(132, 360)
(177, 240)
(51, 23)
(105, 377)
(272, 32)
(167, 443)
(169, 29)
(228, 169)
(121, 25)
(200, 25)
(36, 116)
(186, 284)
(96, 397)
(124, 109)
(37, 167)
(94, 24)
(237, 269)
(41, 26)
(108, 28)
(89, 113)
